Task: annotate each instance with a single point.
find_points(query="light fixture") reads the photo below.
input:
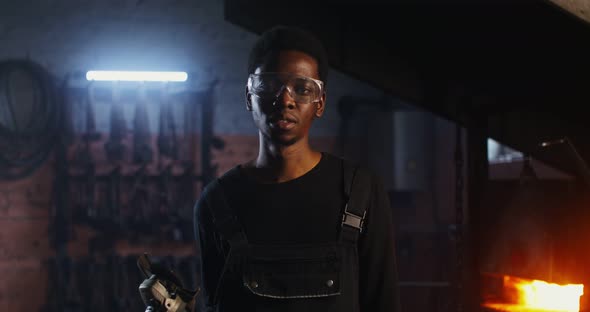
(102, 75)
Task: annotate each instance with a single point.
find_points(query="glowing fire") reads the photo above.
(535, 295)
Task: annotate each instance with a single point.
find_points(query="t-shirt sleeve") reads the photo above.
(210, 251)
(378, 287)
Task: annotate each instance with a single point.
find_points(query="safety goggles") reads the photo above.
(270, 86)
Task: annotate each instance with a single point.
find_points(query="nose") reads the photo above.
(284, 98)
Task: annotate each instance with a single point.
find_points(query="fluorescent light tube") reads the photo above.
(101, 75)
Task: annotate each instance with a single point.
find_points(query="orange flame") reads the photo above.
(535, 295)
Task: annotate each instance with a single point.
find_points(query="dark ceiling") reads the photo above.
(522, 66)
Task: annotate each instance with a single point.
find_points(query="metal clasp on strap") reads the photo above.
(353, 220)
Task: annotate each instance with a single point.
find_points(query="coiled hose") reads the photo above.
(25, 143)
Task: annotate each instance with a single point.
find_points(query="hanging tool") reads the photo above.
(165, 213)
(104, 217)
(137, 221)
(168, 150)
(142, 150)
(114, 148)
(208, 140)
(66, 97)
(141, 205)
(187, 188)
(167, 141)
(83, 157)
(185, 202)
(190, 117)
(114, 200)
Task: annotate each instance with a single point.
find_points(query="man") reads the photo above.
(271, 231)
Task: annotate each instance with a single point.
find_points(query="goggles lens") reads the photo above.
(303, 90)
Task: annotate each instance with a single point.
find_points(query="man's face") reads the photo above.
(281, 118)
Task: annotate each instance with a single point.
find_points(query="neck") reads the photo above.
(280, 163)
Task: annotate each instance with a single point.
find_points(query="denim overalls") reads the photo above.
(324, 275)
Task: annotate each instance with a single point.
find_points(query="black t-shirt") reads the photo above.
(304, 210)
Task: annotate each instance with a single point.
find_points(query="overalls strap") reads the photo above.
(357, 190)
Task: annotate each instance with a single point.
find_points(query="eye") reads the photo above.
(303, 91)
(304, 87)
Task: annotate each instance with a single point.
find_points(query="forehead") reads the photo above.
(291, 61)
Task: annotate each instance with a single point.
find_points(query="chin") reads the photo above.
(284, 140)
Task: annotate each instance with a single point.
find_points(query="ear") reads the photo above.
(320, 106)
(248, 100)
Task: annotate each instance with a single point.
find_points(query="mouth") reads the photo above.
(283, 122)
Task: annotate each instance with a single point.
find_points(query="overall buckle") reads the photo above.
(353, 220)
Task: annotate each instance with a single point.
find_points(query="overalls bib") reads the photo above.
(294, 272)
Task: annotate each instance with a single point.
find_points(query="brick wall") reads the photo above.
(24, 243)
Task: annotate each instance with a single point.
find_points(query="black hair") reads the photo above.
(281, 38)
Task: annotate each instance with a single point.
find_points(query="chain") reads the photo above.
(459, 186)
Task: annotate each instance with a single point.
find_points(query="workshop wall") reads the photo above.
(69, 37)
